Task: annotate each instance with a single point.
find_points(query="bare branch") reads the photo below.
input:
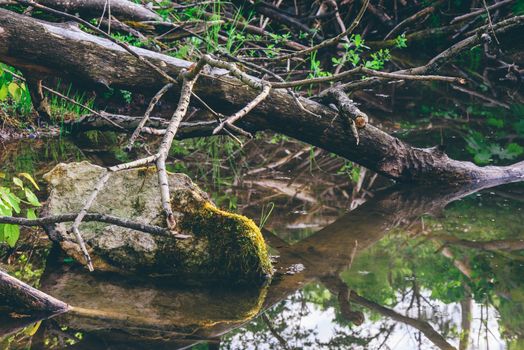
(347, 108)
(89, 217)
(144, 120)
(238, 115)
(183, 103)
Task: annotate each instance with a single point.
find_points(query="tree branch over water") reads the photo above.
(107, 64)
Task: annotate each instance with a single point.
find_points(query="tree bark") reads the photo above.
(21, 298)
(90, 61)
(122, 9)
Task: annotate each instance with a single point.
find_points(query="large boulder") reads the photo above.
(222, 246)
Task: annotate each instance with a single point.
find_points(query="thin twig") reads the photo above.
(329, 42)
(480, 11)
(244, 111)
(490, 23)
(425, 11)
(144, 120)
(89, 217)
(372, 72)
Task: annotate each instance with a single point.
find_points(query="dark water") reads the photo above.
(390, 268)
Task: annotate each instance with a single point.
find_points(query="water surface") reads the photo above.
(383, 267)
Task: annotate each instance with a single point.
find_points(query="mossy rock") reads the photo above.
(222, 246)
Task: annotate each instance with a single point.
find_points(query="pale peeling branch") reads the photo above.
(169, 136)
(147, 114)
(244, 111)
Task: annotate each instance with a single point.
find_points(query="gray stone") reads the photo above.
(222, 246)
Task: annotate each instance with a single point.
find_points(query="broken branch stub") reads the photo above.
(348, 108)
(221, 246)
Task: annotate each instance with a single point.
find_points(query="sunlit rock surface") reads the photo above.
(223, 246)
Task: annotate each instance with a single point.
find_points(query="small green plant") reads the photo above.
(350, 170)
(401, 41)
(267, 210)
(278, 138)
(483, 151)
(130, 39)
(316, 67)
(60, 108)
(354, 49)
(127, 96)
(15, 200)
(378, 59)
(28, 272)
(354, 52)
(14, 94)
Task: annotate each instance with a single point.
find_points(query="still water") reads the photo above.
(384, 268)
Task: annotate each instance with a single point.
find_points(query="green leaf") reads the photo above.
(11, 234)
(31, 330)
(401, 41)
(514, 149)
(3, 93)
(482, 157)
(5, 211)
(15, 91)
(18, 182)
(32, 198)
(496, 122)
(10, 199)
(31, 214)
(30, 178)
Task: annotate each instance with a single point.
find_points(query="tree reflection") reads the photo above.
(383, 276)
(456, 280)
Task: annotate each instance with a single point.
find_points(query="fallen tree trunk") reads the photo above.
(121, 9)
(16, 296)
(47, 49)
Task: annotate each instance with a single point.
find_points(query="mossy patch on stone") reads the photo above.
(236, 245)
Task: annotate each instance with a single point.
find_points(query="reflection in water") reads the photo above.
(385, 275)
(382, 276)
(455, 281)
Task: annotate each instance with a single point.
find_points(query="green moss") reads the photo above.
(236, 249)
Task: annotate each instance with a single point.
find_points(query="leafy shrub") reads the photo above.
(15, 200)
